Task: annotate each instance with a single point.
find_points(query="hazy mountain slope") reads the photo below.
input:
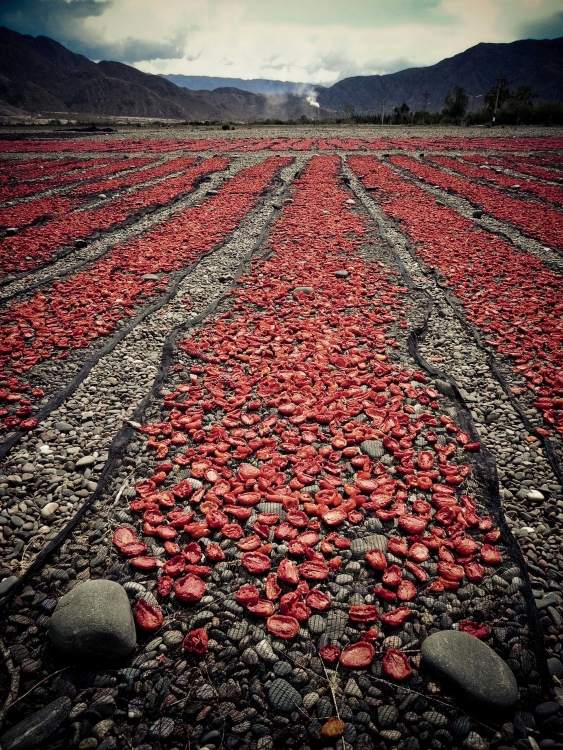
(254, 85)
(40, 75)
(536, 62)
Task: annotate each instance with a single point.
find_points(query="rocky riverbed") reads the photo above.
(318, 285)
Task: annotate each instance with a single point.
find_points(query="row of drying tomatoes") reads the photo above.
(509, 294)
(73, 313)
(194, 144)
(544, 223)
(26, 213)
(296, 381)
(528, 166)
(19, 183)
(529, 187)
(36, 245)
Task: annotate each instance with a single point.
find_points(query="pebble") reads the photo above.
(316, 624)
(173, 637)
(555, 667)
(49, 510)
(372, 448)
(265, 651)
(283, 697)
(472, 667)
(310, 700)
(535, 495)
(7, 584)
(94, 619)
(86, 461)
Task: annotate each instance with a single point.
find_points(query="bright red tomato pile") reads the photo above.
(551, 193)
(58, 174)
(37, 244)
(26, 213)
(16, 399)
(283, 144)
(509, 294)
(520, 164)
(77, 311)
(542, 222)
(297, 380)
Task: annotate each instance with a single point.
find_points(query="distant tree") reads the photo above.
(502, 87)
(404, 108)
(349, 112)
(455, 102)
(524, 94)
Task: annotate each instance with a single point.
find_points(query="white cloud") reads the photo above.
(318, 41)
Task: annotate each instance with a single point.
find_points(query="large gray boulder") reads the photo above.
(38, 727)
(472, 668)
(94, 619)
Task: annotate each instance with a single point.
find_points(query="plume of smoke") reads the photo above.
(312, 98)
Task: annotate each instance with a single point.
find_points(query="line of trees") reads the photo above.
(508, 107)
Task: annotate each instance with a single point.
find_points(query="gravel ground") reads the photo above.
(162, 698)
(83, 427)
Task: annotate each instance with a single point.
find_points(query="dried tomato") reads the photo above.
(329, 653)
(261, 608)
(397, 546)
(376, 559)
(363, 613)
(143, 563)
(190, 588)
(133, 549)
(123, 535)
(318, 600)
(165, 584)
(288, 572)
(255, 562)
(396, 617)
(196, 641)
(316, 571)
(149, 618)
(357, 655)
(283, 626)
(475, 629)
(396, 664)
(392, 576)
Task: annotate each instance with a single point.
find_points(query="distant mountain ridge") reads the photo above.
(37, 74)
(538, 63)
(254, 85)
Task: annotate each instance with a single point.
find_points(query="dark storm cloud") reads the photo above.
(63, 20)
(545, 28)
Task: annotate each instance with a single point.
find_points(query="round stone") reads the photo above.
(94, 619)
(472, 667)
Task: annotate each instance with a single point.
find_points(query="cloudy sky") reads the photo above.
(317, 41)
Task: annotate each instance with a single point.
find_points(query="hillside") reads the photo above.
(40, 75)
(538, 63)
(254, 85)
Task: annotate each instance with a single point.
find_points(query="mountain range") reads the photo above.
(254, 85)
(39, 75)
(538, 63)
